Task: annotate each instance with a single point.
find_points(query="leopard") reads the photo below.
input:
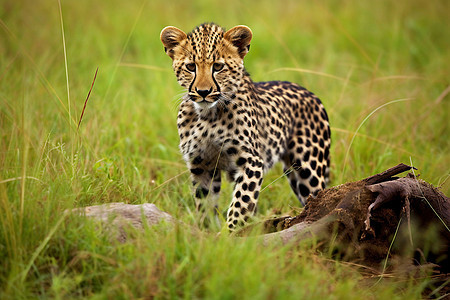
(230, 125)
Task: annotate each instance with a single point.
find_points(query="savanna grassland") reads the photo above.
(381, 68)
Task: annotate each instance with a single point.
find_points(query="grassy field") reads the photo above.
(381, 68)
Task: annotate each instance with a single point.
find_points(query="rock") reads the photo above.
(116, 217)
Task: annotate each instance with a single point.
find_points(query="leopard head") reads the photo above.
(208, 61)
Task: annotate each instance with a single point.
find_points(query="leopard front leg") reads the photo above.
(206, 181)
(208, 185)
(248, 179)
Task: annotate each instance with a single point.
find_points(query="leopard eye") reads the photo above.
(218, 66)
(190, 67)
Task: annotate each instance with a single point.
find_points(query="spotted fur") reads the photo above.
(229, 124)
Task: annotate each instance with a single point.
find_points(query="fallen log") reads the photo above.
(363, 217)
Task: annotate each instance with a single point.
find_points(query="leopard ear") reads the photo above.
(240, 36)
(171, 37)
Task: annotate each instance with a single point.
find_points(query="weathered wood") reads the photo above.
(298, 232)
(388, 174)
(364, 216)
(423, 196)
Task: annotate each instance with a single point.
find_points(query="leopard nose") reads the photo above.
(204, 93)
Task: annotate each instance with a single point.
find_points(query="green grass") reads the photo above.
(357, 56)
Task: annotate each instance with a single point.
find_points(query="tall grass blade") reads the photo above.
(65, 63)
(87, 98)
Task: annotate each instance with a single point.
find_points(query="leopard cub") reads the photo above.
(228, 123)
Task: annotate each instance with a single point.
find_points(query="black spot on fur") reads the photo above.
(306, 156)
(201, 192)
(231, 151)
(197, 160)
(305, 173)
(304, 191)
(314, 181)
(197, 171)
(241, 161)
